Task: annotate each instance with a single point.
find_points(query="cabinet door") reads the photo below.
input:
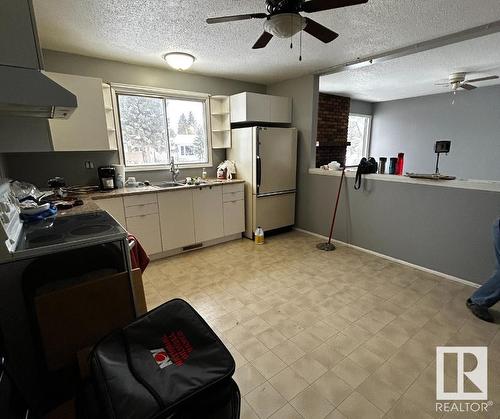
(146, 228)
(234, 217)
(86, 129)
(280, 109)
(176, 219)
(115, 208)
(208, 213)
(18, 43)
(258, 107)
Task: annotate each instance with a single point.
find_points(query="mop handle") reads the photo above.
(337, 201)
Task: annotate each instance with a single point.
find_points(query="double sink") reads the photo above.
(172, 184)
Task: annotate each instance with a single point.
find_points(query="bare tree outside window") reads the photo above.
(154, 129)
(358, 134)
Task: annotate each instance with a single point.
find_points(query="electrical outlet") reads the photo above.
(89, 164)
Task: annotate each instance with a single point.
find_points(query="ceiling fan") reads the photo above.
(458, 81)
(283, 19)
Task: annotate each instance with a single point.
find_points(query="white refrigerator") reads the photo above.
(266, 158)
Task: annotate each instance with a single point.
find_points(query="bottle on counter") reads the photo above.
(381, 165)
(400, 164)
(392, 165)
(204, 174)
(259, 236)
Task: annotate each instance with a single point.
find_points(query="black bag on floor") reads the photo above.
(166, 364)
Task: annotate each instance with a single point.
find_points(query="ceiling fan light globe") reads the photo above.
(284, 25)
(179, 60)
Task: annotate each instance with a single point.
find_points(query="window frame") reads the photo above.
(368, 134)
(157, 92)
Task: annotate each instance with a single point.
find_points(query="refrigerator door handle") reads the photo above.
(263, 195)
(259, 172)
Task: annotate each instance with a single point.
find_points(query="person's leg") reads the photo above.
(489, 293)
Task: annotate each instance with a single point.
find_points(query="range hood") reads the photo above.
(24, 89)
(30, 93)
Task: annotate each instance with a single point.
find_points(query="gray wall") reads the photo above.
(413, 125)
(38, 167)
(444, 229)
(361, 107)
(304, 94)
(447, 230)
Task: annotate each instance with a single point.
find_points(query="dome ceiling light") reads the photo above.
(179, 60)
(285, 25)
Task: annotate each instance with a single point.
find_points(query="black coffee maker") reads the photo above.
(107, 177)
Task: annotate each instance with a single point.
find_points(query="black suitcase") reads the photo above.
(166, 364)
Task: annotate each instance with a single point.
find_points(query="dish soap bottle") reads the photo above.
(259, 236)
(204, 174)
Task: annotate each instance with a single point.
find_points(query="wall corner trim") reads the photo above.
(392, 259)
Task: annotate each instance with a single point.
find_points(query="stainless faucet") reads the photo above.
(174, 170)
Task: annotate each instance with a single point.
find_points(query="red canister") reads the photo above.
(400, 164)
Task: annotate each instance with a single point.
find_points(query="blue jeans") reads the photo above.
(489, 293)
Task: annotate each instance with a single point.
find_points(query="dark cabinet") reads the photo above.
(18, 36)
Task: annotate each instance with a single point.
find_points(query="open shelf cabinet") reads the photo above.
(220, 120)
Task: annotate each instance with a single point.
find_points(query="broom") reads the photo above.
(329, 246)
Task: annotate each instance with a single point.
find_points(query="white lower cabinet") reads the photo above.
(143, 221)
(114, 206)
(176, 218)
(146, 229)
(208, 213)
(234, 217)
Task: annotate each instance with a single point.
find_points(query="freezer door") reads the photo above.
(272, 212)
(276, 159)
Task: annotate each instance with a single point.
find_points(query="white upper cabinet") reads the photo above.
(208, 213)
(91, 127)
(257, 107)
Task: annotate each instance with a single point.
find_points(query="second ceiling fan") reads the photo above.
(283, 19)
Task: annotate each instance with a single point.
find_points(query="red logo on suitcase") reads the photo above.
(177, 346)
(161, 357)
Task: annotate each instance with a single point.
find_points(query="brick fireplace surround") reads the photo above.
(333, 122)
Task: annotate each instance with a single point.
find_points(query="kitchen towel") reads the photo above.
(138, 256)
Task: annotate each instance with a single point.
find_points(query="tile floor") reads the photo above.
(316, 334)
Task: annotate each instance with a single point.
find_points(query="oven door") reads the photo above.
(22, 284)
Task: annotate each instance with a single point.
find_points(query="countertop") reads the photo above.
(152, 189)
(480, 185)
(88, 206)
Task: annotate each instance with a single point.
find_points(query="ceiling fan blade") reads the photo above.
(263, 40)
(319, 31)
(234, 18)
(467, 86)
(319, 5)
(442, 84)
(482, 79)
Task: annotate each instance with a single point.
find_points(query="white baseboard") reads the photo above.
(392, 259)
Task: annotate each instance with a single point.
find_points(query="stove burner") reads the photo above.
(90, 229)
(45, 238)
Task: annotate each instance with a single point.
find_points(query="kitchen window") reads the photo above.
(358, 134)
(156, 125)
